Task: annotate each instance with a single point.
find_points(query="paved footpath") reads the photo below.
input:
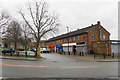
(91, 58)
(85, 58)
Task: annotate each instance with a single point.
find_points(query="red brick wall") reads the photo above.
(87, 38)
(96, 30)
(82, 38)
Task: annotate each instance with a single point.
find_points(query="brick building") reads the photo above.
(92, 38)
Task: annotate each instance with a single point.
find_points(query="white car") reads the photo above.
(43, 49)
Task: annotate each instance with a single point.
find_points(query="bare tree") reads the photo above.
(4, 19)
(40, 22)
(13, 33)
(26, 37)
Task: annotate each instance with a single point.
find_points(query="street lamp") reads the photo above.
(68, 39)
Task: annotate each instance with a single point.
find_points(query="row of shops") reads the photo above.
(97, 47)
(80, 47)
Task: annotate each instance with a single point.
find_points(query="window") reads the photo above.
(104, 36)
(93, 36)
(67, 39)
(61, 40)
(74, 38)
(78, 37)
(100, 34)
(70, 39)
(64, 40)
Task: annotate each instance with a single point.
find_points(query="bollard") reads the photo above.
(80, 53)
(74, 53)
(104, 55)
(64, 52)
(113, 55)
(4, 53)
(69, 53)
(18, 54)
(26, 54)
(10, 53)
(94, 55)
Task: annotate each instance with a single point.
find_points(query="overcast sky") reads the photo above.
(76, 13)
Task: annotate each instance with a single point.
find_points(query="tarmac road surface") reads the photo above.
(58, 66)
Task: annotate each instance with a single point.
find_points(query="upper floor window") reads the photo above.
(100, 34)
(70, 39)
(74, 38)
(104, 36)
(78, 37)
(93, 36)
(61, 40)
(64, 40)
(67, 39)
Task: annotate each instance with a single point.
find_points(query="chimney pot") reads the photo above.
(98, 22)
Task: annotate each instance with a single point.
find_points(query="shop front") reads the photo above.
(80, 47)
(65, 47)
(58, 48)
(52, 48)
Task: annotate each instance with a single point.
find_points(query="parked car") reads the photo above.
(8, 50)
(43, 50)
(33, 49)
(46, 51)
(20, 49)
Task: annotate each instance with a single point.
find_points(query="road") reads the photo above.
(58, 66)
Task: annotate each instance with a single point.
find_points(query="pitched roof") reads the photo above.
(70, 34)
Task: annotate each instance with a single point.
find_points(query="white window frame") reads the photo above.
(78, 37)
(64, 40)
(93, 36)
(70, 38)
(104, 37)
(74, 38)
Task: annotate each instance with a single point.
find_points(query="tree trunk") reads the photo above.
(26, 50)
(39, 52)
(15, 47)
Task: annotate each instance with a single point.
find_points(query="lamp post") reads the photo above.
(68, 39)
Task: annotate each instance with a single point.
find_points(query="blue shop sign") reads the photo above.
(59, 45)
(86, 47)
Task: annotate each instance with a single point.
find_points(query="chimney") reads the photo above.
(98, 22)
(91, 24)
